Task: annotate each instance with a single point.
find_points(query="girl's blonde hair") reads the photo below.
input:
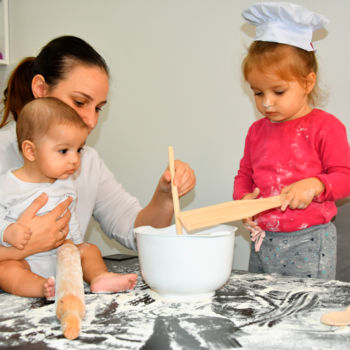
(286, 61)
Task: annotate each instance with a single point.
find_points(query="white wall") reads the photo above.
(176, 80)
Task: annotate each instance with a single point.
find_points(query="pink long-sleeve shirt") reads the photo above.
(279, 154)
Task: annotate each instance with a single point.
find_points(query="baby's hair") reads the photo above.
(286, 61)
(41, 114)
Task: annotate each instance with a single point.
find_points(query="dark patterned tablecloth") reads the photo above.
(250, 311)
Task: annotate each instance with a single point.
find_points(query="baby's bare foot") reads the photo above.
(49, 288)
(110, 282)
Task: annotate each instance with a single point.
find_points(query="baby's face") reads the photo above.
(58, 153)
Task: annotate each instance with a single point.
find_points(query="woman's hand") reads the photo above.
(160, 210)
(48, 231)
(184, 179)
(300, 194)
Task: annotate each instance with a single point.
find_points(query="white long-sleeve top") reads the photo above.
(98, 192)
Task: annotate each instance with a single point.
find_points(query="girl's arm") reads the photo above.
(48, 231)
(333, 182)
(243, 182)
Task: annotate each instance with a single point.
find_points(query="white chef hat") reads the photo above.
(284, 23)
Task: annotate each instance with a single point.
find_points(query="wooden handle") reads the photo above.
(337, 318)
(225, 212)
(174, 191)
(70, 301)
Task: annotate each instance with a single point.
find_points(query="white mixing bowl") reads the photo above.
(185, 267)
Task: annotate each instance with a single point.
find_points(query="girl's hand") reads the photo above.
(256, 233)
(184, 179)
(48, 231)
(248, 222)
(17, 235)
(300, 194)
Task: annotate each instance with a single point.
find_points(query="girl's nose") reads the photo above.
(267, 102)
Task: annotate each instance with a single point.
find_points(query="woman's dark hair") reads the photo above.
(54, 61)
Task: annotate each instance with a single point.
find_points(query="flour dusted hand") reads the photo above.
(301, 193)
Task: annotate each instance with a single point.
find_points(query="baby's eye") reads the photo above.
(80, 149)
(63, 151)
(258, 93)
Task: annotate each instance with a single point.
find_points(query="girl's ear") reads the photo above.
(39, 86)
(310, 82)
(28, 150)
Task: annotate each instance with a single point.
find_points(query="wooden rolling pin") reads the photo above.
(70, 301)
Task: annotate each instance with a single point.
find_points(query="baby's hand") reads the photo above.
(301, 193)
(17, 235)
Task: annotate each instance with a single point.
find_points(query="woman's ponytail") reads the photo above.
(19, 90)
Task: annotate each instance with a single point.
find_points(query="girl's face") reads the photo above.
(58, 153)
(85, 89)
(280, 100)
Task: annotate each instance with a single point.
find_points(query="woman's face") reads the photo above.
(85, 89)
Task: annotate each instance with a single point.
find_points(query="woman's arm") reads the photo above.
(159, 211)
(48, 231)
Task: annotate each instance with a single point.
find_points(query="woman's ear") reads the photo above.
(39, 86)
(310, 82)
(28, 150)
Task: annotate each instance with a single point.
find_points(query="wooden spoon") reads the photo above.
(337, 318)
(225, 212)
(174, 191)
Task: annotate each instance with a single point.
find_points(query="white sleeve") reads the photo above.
(3, 227)
(115, 209)
(9, 158)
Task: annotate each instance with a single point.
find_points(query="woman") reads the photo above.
(71, 70)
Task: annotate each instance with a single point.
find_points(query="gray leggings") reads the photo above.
(306, 253)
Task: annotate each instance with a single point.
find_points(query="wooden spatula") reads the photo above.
(225, 212)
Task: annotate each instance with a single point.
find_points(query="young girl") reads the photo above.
(296, 150)
(51, 136)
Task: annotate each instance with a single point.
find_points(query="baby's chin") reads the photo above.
(64, 176)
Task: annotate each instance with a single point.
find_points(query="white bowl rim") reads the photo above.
(170, 231)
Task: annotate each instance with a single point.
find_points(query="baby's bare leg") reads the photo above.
(96, 273)
(16, 278)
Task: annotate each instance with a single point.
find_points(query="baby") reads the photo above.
(51, 137)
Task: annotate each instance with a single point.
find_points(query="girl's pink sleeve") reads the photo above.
(243, 182)
(335, 155)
